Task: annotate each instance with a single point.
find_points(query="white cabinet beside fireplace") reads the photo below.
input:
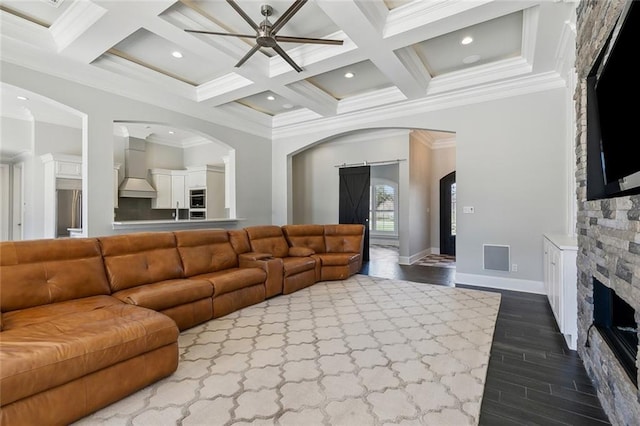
(560, 282)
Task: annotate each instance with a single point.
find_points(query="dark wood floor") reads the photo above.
(533, 378)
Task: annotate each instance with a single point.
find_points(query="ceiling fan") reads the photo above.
(266, 32)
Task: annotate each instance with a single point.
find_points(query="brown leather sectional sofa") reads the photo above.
(85, 322)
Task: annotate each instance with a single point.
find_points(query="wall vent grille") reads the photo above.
(496, 257)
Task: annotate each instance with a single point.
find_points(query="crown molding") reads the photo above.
(221, 86)
(468, 96)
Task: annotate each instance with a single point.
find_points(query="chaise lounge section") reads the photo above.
(68, 347)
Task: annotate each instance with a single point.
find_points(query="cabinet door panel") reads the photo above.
(178, 192)
(162, 184)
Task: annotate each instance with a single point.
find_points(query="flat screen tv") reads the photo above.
(613, 112)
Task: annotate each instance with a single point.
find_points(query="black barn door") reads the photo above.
(354, 200)
(448, 214)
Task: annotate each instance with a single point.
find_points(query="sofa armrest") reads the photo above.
(272, 266)
(253, 255)
(301, 251)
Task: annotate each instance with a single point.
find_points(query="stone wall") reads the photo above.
(608, 233)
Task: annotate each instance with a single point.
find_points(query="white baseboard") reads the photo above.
(409, 260)
(527, 286)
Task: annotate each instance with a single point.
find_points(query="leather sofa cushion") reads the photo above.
(49, 345)
(300, 251)
(239, 240)
(140, 258)
(343, 238)
(295, 265)
(166, 294)
(311, 236)
(338, 259)
(204, 251)
(38, 272)
(233, 279)
(268, 239)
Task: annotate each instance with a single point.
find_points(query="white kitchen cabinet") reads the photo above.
(212, 179)
(560, 282)
(179, 189)
(170, 188)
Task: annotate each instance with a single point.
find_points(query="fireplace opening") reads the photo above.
(615, 320)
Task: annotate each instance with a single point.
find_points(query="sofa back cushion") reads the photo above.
(141, 258)
(268, 239)
(311, 236)
(39, 272)
(239, 240)
(207, 250)
(344, 238)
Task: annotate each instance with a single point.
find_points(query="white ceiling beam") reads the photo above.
(88, 29)
(309, 96)
(367, 34)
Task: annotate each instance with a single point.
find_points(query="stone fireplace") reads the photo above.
(608, 244)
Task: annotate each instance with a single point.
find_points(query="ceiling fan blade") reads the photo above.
(286, 39)
(243, 14)
(253, 50)
(222, 34)
(286, 57)
(293, 9)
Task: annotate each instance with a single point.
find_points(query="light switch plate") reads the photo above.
(468, 209)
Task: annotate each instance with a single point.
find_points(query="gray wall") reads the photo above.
(512, 166)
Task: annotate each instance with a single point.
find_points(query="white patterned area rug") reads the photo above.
(363, 351)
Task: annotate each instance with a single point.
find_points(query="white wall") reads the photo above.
(100, 109)
(164, 157)
(15, 136)
(443, 162)
(511, 166)
(210, 153)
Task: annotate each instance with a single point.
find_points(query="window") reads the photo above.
(383, 209)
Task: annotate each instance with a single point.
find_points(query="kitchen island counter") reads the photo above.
(170, 224)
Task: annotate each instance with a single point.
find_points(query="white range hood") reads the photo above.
(135, 184)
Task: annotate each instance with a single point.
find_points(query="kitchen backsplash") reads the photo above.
(140, 209)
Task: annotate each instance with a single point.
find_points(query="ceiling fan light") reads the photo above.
(349, 74)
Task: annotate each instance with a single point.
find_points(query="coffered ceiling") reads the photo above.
(394, 50)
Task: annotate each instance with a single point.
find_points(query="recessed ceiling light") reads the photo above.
(271, 98)
(467, 40)
(171, 132)
(287, 106)
(176, 54)
(22, 98)
(471, 59)
(349, 75)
